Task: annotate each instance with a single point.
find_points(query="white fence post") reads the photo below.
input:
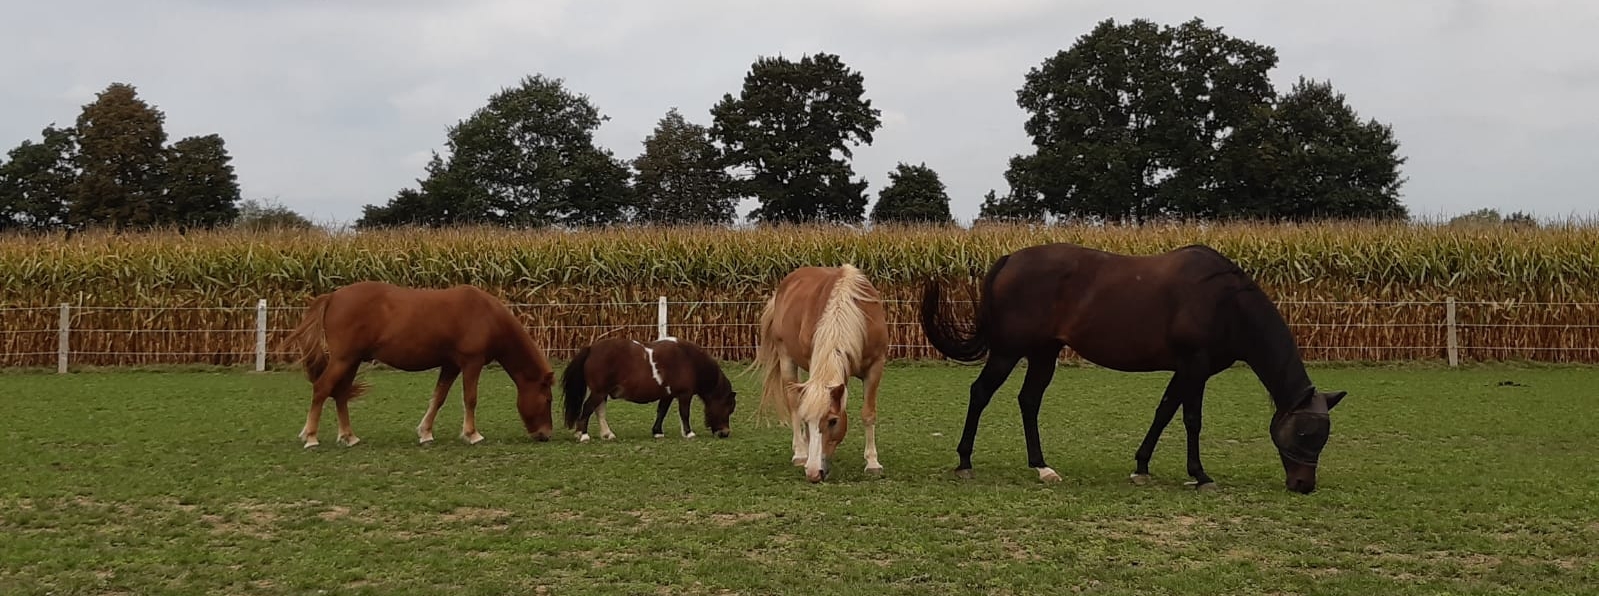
(260, 335)
(62, 343)
(660, 318)
(1454, 335)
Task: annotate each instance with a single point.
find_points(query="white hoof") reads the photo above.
(583, 438)
(660, 435)
(350, 441)
(473, 438)
(608, 436)
(1048, 475)
(309, 443)
(689, 436)
(1139, 479)
(874, 470)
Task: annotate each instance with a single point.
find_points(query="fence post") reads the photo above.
(62, 343)
(1454, 334)
(660, 318)
(260, 335)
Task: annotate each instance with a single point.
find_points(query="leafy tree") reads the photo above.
(120, 158)
(268, 215)
(783, 130)
(201, 188)
(914, 195)
(1139, 121)
(526, 159)
(1489, 217)
(35, 181)
(680, 177)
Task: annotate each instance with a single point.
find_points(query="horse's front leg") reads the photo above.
(1193, 406)
(869, 418)
(469, 374)
(1040, 370)
(1169, 402)
(790, 374)
(661, 408)
(605, 427)
(441, 391)
(683, 403)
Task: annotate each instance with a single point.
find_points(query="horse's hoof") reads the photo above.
(964, 474)
(1207, 487)
(876, 472)
(583, 438)
(311, 443)
(1139, 479)
(608, 436)
(690, 435)
(660, 435)
(426, 439)
(1048, 475)
(350, 441)
(474, 438)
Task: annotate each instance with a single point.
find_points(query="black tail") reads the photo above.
(575, 386)
(949, 338)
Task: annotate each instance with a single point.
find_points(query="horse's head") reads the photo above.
(832, 427)
(1300, 433)
(719, 405)
(533, 403)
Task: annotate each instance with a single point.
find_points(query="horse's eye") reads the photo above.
(832, 422)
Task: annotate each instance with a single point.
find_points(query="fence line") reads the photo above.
(1331, 330)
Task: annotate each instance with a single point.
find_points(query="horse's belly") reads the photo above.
(1125, 355)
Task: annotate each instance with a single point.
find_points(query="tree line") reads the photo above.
(1133, 122)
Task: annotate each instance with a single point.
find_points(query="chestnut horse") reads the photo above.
(1191, 311)
(456, 330)
(830, 322)
(660, 371)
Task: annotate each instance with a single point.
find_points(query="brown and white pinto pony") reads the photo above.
(456, 330)
(660, 371)
(830, 322)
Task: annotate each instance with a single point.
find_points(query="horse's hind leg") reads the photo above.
(1192, 404)
(441, 391)
(661, 409)
(1040, 371)
(321, 390)
(869, 418)
(993, 376)
(605, 427)
(469, 374)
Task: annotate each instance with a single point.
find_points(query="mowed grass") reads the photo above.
(1470, 481)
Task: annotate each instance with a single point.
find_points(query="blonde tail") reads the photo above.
(774, 396)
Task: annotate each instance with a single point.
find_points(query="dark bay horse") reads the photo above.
(660, 371)
(456, 330)
(1191, 311)
(830, 322)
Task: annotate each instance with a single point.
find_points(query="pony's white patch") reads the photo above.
(687, 434)
(654, 371)
(660, 435)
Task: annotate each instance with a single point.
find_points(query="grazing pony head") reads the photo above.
(1299, 434)
(719, 405)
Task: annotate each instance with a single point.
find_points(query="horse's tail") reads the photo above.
(310, 339)
(774, 396)
(840, 340)
(948, 337)
(575, 386)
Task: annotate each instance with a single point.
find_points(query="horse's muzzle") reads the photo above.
(723, 434)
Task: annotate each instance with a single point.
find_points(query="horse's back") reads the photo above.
(801, 300)
(410, 326)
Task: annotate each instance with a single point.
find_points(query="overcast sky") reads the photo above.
(329, 105)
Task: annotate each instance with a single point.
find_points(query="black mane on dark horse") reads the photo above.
(1191, 311)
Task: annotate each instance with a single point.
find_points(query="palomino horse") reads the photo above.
(660, 371)
(830, 322)
(456, 330)
(1191, 311)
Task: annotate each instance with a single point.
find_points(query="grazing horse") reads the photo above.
(456, 330)
(1191, 311)
(660, 371)
(830, 322)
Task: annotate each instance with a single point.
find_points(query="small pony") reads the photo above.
(659, 371)
(456, 330)
(830, 322)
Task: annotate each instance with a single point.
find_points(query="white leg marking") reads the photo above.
(660, 435)
(871, 450)
(605, 429)
(1048, 475)
(687, 434)
(583, 438)
(799, 439)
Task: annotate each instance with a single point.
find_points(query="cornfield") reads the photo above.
(1352, 292)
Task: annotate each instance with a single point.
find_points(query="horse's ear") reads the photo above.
(1334, 398)
(836, 393)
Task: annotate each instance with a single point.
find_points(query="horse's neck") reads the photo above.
(1274, 357)
(520, 359)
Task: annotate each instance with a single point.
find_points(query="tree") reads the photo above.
(269, 215)
(201, 188)
(35, 181)
(680, 177)
(783, 130)
(526, 159)
(1139, 121)
(914, 195)
(120, 158)
(1489, 217)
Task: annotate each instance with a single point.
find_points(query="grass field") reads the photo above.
(1471, 481)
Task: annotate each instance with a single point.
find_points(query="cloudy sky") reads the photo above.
(330, 105)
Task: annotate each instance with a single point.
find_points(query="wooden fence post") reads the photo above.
(260, 335)
(63, 345)
(660, 318)
(1454, 332)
